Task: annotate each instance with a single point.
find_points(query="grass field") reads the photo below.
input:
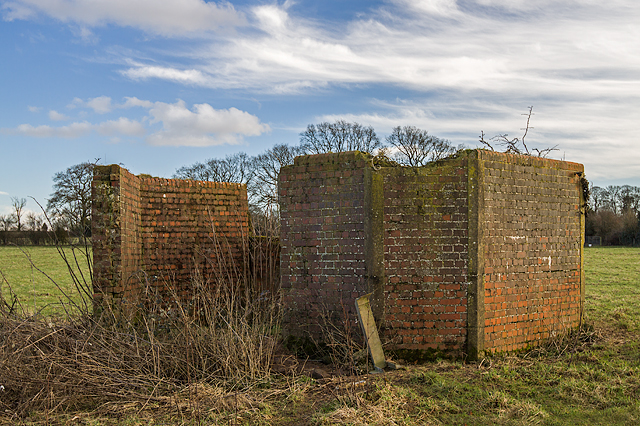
(38, 292)
(586, 378)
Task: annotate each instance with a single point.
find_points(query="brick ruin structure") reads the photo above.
(477, 253)
(151, 235)
(481, 252)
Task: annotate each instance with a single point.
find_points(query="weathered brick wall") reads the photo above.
(532, 245)
(322, 261)
(151, 233)
(115, 218)
(426, 255)
(481, 252)
(131, 258)
(181, 221)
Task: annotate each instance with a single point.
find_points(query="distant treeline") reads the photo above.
(614, 215)
(35, 238)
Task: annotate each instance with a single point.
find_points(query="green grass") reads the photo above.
(37, 292)
(613, 287)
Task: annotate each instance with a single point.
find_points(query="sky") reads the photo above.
(154, 85)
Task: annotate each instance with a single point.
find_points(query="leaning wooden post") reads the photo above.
(368, 324)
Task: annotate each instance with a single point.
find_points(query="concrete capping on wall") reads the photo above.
(151, 234)
(475, 298)
(444, 248)
(374, 227)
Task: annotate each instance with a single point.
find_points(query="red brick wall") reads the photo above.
(322, 239)
(425, 255)
(150, 233)
(131, 259)
(532, 249)
(478, 252)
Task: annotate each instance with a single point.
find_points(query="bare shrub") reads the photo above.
(221, 335)
(342, 342)
(516, 145)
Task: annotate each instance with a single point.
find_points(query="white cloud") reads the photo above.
(101, 104)
(434, 7)
(4, 193)
(180, 126)
(135, 102)
(271, 18)
(56, 116)
(202, 126)
(104, 104)
(121, 126)
(477, 51)
(33, 109)
(73, 130)
(167, 17)
(85, 34)
(143, 72)
(75, 103)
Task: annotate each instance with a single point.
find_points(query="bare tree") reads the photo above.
(7, 221)
(516, 145)
(598, 199)
(267, 168)
(630, 198)
(34, 222)
(70, 202)
(339, 136)
(416, 147)
(233, 168)
(614, 199)
(18, 205)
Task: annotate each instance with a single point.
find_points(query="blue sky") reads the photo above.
(156, 85)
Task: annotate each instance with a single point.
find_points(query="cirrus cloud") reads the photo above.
(122, 126)
(167, 17)
(143, 72)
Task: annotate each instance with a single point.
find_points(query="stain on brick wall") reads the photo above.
(481, 252)
(150, 234)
